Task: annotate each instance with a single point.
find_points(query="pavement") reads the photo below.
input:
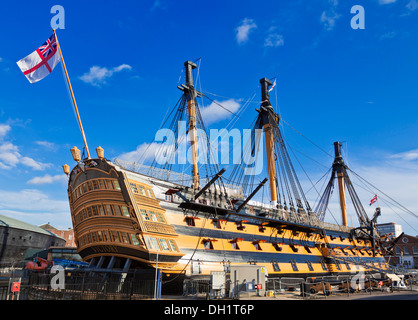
(374, 295)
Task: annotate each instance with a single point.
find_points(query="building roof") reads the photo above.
(17, 224)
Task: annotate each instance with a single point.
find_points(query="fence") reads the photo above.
(81, 286)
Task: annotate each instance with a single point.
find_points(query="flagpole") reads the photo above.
(72, 95)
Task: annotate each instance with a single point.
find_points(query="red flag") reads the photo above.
(373, 200)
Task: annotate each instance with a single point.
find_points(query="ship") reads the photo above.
(200, 220)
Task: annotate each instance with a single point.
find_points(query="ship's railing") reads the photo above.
(306, 219)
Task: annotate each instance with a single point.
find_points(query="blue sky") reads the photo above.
(125, 62)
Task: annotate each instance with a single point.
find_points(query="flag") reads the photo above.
(373, 200)
(274, 84)
(41, 62)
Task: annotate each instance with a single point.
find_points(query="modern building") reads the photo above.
(392, 229)
(68, 234)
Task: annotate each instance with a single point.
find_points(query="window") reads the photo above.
(216, 223)
(190, 221)
(234, 244)
(276, 266)
(154, 244)
(324, 266)
(294, 265)
(347, 265)
(277, 246)
(142, 191)
(117, 210)
(261, 228)
(169, 198)
(160, 217)
(134, 188)
(151, 193)
(115, 236)
(125, 211)
(163, 244)
(116, 184)
(310, 267)
(337, 264)
(414, 249)
(240, 225)
(134, 239)
(257, 245)
(172, 245)
(144, 214)
(208, 244)
(153, 216)
(124, 237)
(405, 250)
(109, 211)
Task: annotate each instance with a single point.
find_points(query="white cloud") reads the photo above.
(214, 112)
(98, 75)
(329, 17)
(145, 152)
(412, 5)
(244, 29)
(47, 144)
(34, 206)
(386, 1)
(274, 40)
(47, 179)
(406, 156)
(10, 156)
(4, 129)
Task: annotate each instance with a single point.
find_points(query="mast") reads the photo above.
(72, 95)
(338, 165)
(266, 112)
(191, 107)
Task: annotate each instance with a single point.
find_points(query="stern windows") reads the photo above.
(151, 215)
(134, 188)
(161, 244)
(135, 240)
(145, 215)
(142, 190)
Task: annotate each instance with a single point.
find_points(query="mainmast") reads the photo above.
(190, 93)
(267, 112)
(338, 166)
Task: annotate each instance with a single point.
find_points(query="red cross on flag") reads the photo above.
(41, 62)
